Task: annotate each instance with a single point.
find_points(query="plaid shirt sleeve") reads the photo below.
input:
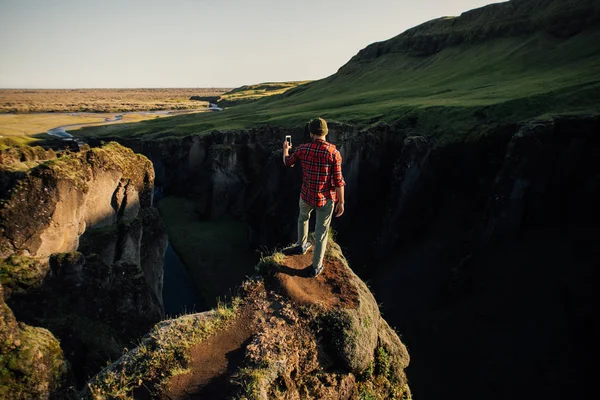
(337, 179)
(291, 160)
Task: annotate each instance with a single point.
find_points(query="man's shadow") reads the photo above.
(303, 273)
(284, 269)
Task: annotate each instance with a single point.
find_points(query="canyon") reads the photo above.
(470, 151)
(494, 234)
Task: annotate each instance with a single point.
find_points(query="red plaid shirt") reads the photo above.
(321, 171)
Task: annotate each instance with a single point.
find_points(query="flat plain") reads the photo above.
(103, 100)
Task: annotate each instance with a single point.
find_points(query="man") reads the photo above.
(322, 188)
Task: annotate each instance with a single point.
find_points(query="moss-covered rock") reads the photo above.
(101, 292)
(348, 349)
(95, 307)
(19, 156)
(32, 365)
(20, 273)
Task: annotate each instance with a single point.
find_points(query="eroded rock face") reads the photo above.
(54, 203)
(240, 173)
(82, 252)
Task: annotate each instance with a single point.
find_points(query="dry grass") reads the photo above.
(31, 124)
(102, 100)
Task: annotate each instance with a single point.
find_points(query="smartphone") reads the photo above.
(288, 138)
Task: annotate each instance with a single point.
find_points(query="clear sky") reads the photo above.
(195, 43)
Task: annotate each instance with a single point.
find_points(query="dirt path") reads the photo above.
(212, 363)
(328, 289)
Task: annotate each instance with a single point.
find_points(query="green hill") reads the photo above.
(503, 63)
(249, 93)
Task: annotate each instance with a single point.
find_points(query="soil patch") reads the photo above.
(213, 361)
(332, 288)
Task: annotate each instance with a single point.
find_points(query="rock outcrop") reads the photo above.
(81, 251)
(295, 337)
(32, 365)
(47, 211)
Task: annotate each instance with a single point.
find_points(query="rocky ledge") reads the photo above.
(285, 335)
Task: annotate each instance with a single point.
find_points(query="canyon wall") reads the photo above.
(81, 250)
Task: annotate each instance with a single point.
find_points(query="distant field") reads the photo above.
(31, 124)
(102, 100)
(19, 129)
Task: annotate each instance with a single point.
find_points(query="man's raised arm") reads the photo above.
(288, 161)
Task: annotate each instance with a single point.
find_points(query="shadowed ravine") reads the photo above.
(180, 296)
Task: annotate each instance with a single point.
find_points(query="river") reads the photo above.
(113, 118)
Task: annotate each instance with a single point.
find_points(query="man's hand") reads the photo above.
(339, 209)
(286, 148)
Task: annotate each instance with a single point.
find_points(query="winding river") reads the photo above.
(114, 118)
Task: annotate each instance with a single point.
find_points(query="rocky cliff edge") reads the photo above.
(286, 335)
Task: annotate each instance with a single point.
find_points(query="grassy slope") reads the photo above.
(248, 93)
(216, 253)
(451, 93)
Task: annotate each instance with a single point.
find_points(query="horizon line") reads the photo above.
(120, 88)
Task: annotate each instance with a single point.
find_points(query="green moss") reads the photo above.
(78, 167)
(269, 263)
(379, 381)
(35, 368)
(21, 273)
(15, 142)
(72, 257)
(134, 167)
(73, 168)
(278, 257)
(382, 362)
(253, 381)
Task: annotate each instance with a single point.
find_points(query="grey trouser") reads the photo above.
(321, 228)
